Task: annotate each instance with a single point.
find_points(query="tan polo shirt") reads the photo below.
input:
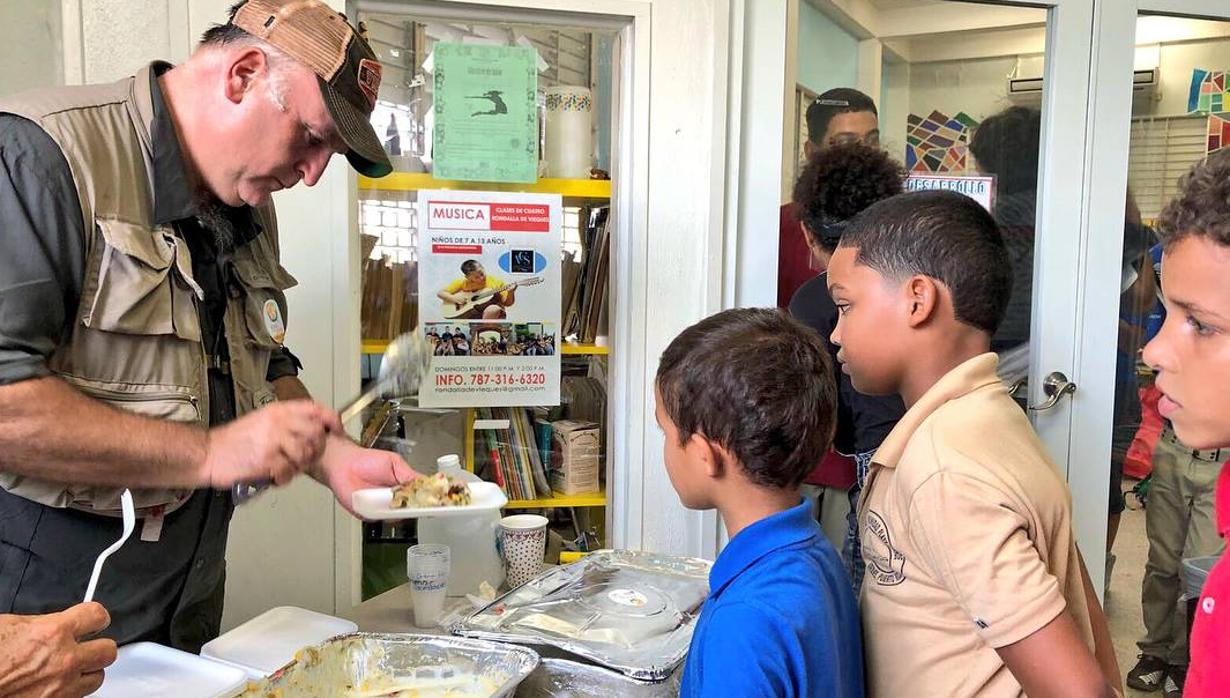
(966, 528)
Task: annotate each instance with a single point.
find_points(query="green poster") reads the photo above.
(486, 118)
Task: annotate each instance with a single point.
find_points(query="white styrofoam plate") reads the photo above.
(377, 504)
(269, 641)
(151, 670)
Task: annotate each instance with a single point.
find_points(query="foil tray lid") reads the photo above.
(630, 611)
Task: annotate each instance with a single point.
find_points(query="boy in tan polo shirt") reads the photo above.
(974, 586)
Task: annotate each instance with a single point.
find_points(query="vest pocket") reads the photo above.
(264, 302)
(170, 403)
(140, 282)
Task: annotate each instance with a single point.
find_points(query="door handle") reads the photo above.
(1016, 386)
(1055, 386)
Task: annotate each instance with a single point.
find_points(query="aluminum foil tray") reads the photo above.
(562, 678)
(633, 612)
(370, 665)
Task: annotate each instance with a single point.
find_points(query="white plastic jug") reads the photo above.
(472, 539)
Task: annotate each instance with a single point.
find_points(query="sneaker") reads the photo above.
(1175, 678)
(1148, 675)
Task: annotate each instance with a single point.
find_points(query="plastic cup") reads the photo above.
(427, 566)
(523, 538)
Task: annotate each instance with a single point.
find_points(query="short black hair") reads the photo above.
(758, 383)
(839, 100)
(470, 265)
(1006, 145)
(1203, 205)
(839, 182)
(946, 236)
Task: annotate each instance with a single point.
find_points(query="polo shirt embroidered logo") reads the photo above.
(885, 564)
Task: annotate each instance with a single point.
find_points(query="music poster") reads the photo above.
(490, 297)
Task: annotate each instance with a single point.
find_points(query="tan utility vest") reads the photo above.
(135, 343)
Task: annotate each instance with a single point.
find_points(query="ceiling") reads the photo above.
(899, 4)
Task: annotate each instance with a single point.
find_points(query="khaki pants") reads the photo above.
(1180, 523)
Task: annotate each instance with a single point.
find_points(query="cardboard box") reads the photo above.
(575, 457)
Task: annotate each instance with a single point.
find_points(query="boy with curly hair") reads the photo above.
(1191, 355)
(834, 186)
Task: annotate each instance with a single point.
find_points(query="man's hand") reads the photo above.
(43, 656)
(274, 443)
(347, 467)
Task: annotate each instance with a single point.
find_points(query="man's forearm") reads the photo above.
(51, 431)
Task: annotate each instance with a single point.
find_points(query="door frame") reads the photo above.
(1097, 293)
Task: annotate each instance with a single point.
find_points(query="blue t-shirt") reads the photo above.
(780, 619)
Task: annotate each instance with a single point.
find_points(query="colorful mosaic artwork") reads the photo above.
(938, 144)
(1209, 93)
(1219, 131)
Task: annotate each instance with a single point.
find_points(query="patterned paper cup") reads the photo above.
(523, 538)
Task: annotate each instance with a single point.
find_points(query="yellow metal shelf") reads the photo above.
(375, 346)
(584, 349)
(379, 346)
(597, 499)
(416, 181)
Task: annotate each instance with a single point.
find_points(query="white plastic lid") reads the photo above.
(269, 641)
(151, 670)
(450, 462)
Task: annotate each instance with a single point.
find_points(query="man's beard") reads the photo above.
(219, 219)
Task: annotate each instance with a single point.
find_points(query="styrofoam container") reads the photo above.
(151, 670)
(269, 641)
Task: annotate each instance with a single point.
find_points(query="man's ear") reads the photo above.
(809, 149)
(922, 297)
(245, 67)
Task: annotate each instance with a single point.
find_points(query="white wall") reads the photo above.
(119, 35)
(30, 40)
(827, 54)
(978, 86)
(1177, 62)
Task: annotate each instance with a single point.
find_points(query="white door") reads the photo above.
(1158, 104)
(1003, 89)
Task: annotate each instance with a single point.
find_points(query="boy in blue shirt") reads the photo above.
(745, 400)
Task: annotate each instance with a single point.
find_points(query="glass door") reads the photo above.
(989, 95)
(1163, 105)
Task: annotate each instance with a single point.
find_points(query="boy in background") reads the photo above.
(1191, 356)
(745, 400)
(973, 584)
(836, 184)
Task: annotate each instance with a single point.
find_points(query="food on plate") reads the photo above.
(437, 490)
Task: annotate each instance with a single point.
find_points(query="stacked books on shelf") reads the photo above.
(587, 279)
(390, 295)
(515, 455)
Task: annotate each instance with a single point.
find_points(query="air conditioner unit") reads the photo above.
(1144, 84)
